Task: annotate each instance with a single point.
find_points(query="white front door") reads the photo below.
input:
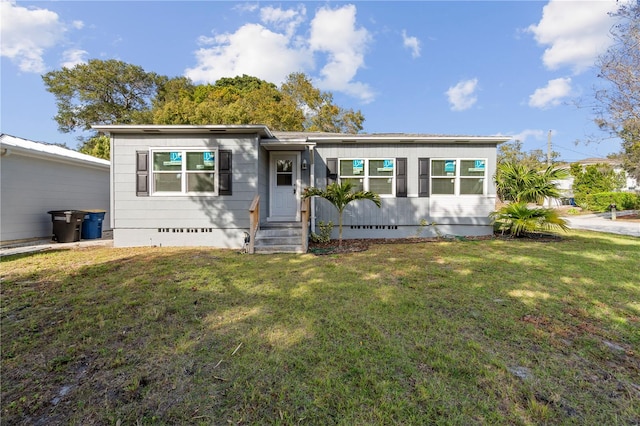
(284, 185)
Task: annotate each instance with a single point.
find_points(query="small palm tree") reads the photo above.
(339, 194)
(515, 182)
(520, 185)
(518, 219)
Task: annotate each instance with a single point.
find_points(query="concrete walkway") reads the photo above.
(46, 244)
(601, 222)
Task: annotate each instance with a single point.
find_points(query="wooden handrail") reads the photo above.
(304, 216)
(254, 222)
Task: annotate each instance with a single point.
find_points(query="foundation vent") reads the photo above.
(187, 230)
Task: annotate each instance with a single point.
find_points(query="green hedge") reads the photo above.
(623, 200)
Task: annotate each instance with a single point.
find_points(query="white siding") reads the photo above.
(32, 186)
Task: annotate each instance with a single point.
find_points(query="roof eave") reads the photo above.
(260, 129)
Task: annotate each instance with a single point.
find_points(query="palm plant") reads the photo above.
(340, 195)
(515, 182)
(520, 185)
(518, 219)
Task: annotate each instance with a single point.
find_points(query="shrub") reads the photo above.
(325, 232)
(601, 201)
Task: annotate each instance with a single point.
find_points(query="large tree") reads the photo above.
(101, 92)
(296, 106)
(321, 113)
(238, 100)
(618, 104)
(536, 159)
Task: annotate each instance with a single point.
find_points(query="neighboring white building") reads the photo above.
(37, 177)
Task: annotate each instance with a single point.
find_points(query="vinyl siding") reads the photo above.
(32, 186)
(150, 213)
(458, 214)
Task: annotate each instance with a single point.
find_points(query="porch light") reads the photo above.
(304, 164)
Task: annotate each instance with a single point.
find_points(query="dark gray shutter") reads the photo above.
(401, 177)
(423, 177)
(332, 170)
(142, 173)
(224, 174)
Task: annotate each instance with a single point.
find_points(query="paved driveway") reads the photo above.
(602, 223)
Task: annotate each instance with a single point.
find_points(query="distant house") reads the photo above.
(36, 178)
(222, 186)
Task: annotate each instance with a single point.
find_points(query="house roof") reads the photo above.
(610, 161)
(387, 137)
(260, 129)
(300, 138)
(14, 145)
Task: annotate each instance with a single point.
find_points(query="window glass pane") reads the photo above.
(351, 167)
(357, 184)
(443, 168)
(201, 182)
(167, 182)
(381, 186)
(380, 167)
(472, 167)
(201, 161)
(471, 186)
(284, 179)
(442, 186)
(167, 161)
(284, 165)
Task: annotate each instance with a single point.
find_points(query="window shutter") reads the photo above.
(332, 170)
(142, 173)
(401, 177)
(423, 177)
(224, 173)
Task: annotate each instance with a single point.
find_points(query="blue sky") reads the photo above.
(517, 68)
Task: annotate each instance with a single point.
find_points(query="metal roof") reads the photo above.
(14, 145)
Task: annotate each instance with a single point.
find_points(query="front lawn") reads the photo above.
(455, 332)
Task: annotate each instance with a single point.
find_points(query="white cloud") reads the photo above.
(526, 134)
(411, 43)
(26, 33)
(552, 94)
(462, 95)
(334, 32)
(273, 49)
(73, 57)
(253, 50)
(576, 32)
(78, 25)
(288, 19)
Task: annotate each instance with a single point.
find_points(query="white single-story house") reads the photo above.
(36, 178)
(231, 185)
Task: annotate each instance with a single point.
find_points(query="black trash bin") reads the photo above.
(92, 225)
(67, 225)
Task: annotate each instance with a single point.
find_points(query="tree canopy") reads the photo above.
(114, 92)
(535, 159)
(594, 179)
(618, 103)
(101, 92)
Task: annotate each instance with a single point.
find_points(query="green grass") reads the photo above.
(459, 332)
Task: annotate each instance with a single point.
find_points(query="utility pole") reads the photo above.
(549, 158)
(549, 148)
